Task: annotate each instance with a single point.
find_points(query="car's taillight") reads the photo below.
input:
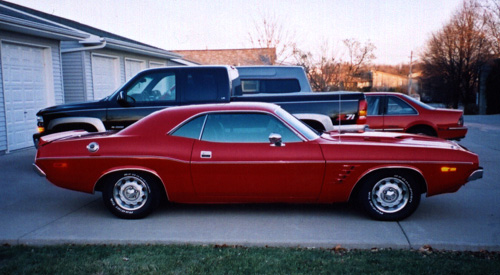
(363, 107)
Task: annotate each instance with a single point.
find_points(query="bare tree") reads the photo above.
(269, 32)
(359, 56)
(492, 17)
(456, 53)
(323, 69)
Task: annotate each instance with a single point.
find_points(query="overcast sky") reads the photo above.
(395, 27)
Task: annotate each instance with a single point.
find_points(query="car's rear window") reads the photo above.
(269, 86)
(191, 129)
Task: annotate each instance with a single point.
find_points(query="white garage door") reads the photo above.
(105, 74)
(133, 66)
(25, 72)
(154, 64)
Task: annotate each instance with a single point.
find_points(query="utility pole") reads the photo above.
(410, 74)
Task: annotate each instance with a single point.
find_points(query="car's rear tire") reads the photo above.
(130, 194)
(390, 195)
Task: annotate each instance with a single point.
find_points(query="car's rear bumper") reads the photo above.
(38, 170)
(452, 132)
(477, 174)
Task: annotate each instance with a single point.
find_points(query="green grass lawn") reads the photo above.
(187, 259)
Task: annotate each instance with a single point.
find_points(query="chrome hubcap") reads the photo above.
(390, 195)
(130, 193)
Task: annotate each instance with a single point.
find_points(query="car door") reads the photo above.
(234, 160)
(398, 114)
(375, 112)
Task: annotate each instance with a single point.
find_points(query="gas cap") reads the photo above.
(93, 147)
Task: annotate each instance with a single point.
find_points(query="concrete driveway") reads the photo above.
(34, 212)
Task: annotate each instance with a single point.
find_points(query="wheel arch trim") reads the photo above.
(97, 123)
(369, 172)
(99, 182)
(422, 124)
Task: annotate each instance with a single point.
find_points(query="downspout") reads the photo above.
(102, 45)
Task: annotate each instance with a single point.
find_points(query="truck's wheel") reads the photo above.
(130, 195)
(390, 195)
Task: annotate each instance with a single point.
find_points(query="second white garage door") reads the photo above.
(105, 74)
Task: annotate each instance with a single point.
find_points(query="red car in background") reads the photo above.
(393, 112)
(251, 153)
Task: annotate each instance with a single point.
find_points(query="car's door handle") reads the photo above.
(206, 154)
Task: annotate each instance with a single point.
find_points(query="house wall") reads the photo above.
(55, 88)
(79, 80)
(74, 77)
(385, 80)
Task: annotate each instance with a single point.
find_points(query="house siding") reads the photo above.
(3, 120)
(74, 81)
(55, 86)
(77, 67)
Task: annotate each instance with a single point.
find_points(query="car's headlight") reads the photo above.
(39, 124)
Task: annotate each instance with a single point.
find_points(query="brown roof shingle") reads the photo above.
(236, 57)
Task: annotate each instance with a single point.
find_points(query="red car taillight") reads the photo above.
(363, 107)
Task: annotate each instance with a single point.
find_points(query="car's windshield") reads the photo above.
(305, 130)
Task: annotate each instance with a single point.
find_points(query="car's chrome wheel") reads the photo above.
(390, 195)
(130, 192)
(131, 195)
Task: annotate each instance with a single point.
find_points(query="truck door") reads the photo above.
(147, 92)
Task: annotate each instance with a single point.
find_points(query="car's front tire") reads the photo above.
(390, 195)
(130, 194)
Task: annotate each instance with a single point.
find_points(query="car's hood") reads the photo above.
(390, 138)
(73, 106)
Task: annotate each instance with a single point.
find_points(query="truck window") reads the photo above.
(154, 87)
(201, 86)
(269, 86)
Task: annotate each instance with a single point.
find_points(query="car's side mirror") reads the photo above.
(275, 140)
(123, 99)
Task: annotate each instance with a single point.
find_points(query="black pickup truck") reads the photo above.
(155, 89)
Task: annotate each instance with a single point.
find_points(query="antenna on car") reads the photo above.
(340, 116)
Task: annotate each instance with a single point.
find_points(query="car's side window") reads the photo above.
(245, 127)
(374, 103)
(191, 129)
(159, 86)
(396, 106)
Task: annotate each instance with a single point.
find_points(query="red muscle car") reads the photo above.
(393, 112)
(252, 153)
